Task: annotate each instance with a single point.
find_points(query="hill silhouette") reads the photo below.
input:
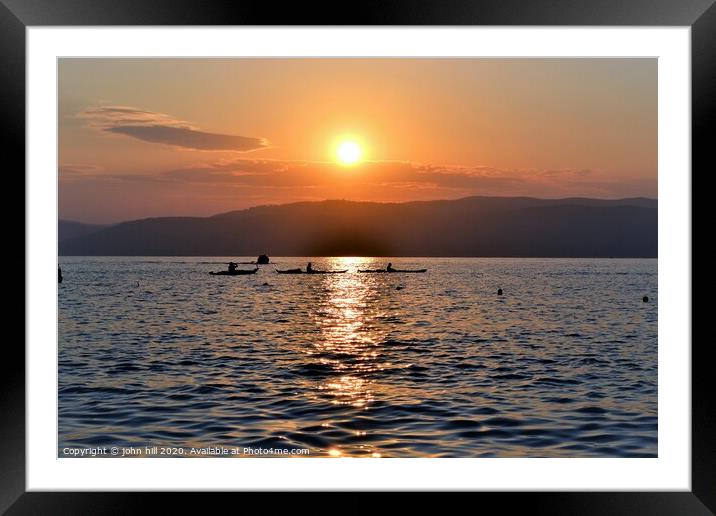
(473, 226)
(68, 229)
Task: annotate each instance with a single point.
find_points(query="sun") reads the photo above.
(349, 153)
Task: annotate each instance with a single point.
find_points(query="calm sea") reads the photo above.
(156, 352)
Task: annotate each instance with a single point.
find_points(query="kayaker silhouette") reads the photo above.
(233, 266)
(309, 268)
(390, 268)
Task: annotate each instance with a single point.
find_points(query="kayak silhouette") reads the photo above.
(389, 269)
(381, 271)
(236, 272)
(299, 271)
(309, 270)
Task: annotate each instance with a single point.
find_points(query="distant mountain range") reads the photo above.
(473, 226)
(69, 229)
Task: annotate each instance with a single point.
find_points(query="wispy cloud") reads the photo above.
(155, 127)
(281, 173)
(78, 172)
(384, 180)
(80, 169)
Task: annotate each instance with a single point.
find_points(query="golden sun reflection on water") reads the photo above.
(349, 340)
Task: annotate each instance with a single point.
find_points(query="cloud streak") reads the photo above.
(160, 128)
(280, 173)
(381, 179)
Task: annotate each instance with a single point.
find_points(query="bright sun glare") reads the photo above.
(349, 153)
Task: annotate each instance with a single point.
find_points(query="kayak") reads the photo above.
(380, 271)
(299, 271)
(237, 272)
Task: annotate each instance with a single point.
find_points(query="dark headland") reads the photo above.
(473, 226)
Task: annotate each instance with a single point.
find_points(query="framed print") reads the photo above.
(444, 248)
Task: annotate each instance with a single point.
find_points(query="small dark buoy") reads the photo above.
(262, 259)
(499, 291)
(645, 299)
(399, 287)
(266, 285)
(59, 274)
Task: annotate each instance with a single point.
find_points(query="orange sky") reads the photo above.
(157, 137)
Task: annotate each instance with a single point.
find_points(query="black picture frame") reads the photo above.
(17, 15)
